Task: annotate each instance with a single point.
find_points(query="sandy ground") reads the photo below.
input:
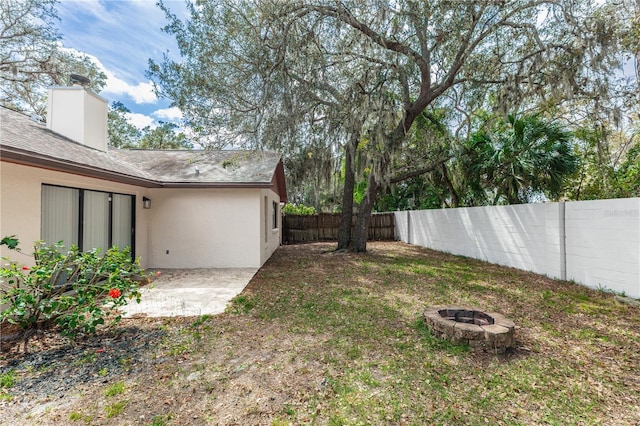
(190, 292)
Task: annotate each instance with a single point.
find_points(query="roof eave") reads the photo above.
(29, 158)
(12, 154)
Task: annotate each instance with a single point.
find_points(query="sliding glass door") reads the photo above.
(89, 219)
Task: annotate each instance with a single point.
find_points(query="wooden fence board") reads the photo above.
(324, 227)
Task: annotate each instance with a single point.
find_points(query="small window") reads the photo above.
(266, 219)
(275, 215)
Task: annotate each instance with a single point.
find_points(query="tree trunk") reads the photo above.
(361, 231)
(359, 240)
(344, 232)
(455, 200)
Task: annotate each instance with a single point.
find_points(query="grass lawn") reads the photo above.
(338, 339)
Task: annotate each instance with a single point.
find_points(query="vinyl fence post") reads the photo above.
(563, 242)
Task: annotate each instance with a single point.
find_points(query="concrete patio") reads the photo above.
(190, 292)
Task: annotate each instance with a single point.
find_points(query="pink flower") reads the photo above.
(114, 293)
(158, 273)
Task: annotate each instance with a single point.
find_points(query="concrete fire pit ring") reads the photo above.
(482, 331)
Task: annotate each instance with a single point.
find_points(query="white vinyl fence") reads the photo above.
(595, 243)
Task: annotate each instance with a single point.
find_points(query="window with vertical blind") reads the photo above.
(95, 220)
(266, 219)
(89, 219)
(275, 214)
(60, 215)
(122, 220)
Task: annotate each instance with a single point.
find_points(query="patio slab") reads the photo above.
(190, 292)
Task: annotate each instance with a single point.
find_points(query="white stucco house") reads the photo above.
(175, 209)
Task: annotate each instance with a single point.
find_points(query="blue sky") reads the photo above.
(121, 35)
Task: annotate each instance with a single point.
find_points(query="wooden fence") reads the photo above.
(324, 227)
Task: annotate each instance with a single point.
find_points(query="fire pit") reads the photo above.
(480, 330)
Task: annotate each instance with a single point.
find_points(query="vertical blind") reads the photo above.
(95, 219)
(122, 206)
(60, 213)
(89, 219)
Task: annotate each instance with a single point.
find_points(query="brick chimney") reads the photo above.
(78, 114)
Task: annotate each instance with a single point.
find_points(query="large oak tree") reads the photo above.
(355, 75)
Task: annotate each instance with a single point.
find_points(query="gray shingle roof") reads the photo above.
(26, 141)
(179, 166)
(21, 135)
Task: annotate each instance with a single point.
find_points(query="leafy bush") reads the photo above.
(298, 209)
(73, 289)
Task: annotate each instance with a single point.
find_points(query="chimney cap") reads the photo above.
(80, 79)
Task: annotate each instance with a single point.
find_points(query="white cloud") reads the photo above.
(141, 120)
(171, 114)
(141, 93)
(94, 8)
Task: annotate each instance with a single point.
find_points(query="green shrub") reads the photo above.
(73, 289)
(298, 209)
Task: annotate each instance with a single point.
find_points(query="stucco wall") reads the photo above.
(595, 243)
(201, 228)
(208, 228)
(20, 204)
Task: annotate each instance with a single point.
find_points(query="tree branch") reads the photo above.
(419, 172)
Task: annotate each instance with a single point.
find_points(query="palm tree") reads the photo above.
(523, 159)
